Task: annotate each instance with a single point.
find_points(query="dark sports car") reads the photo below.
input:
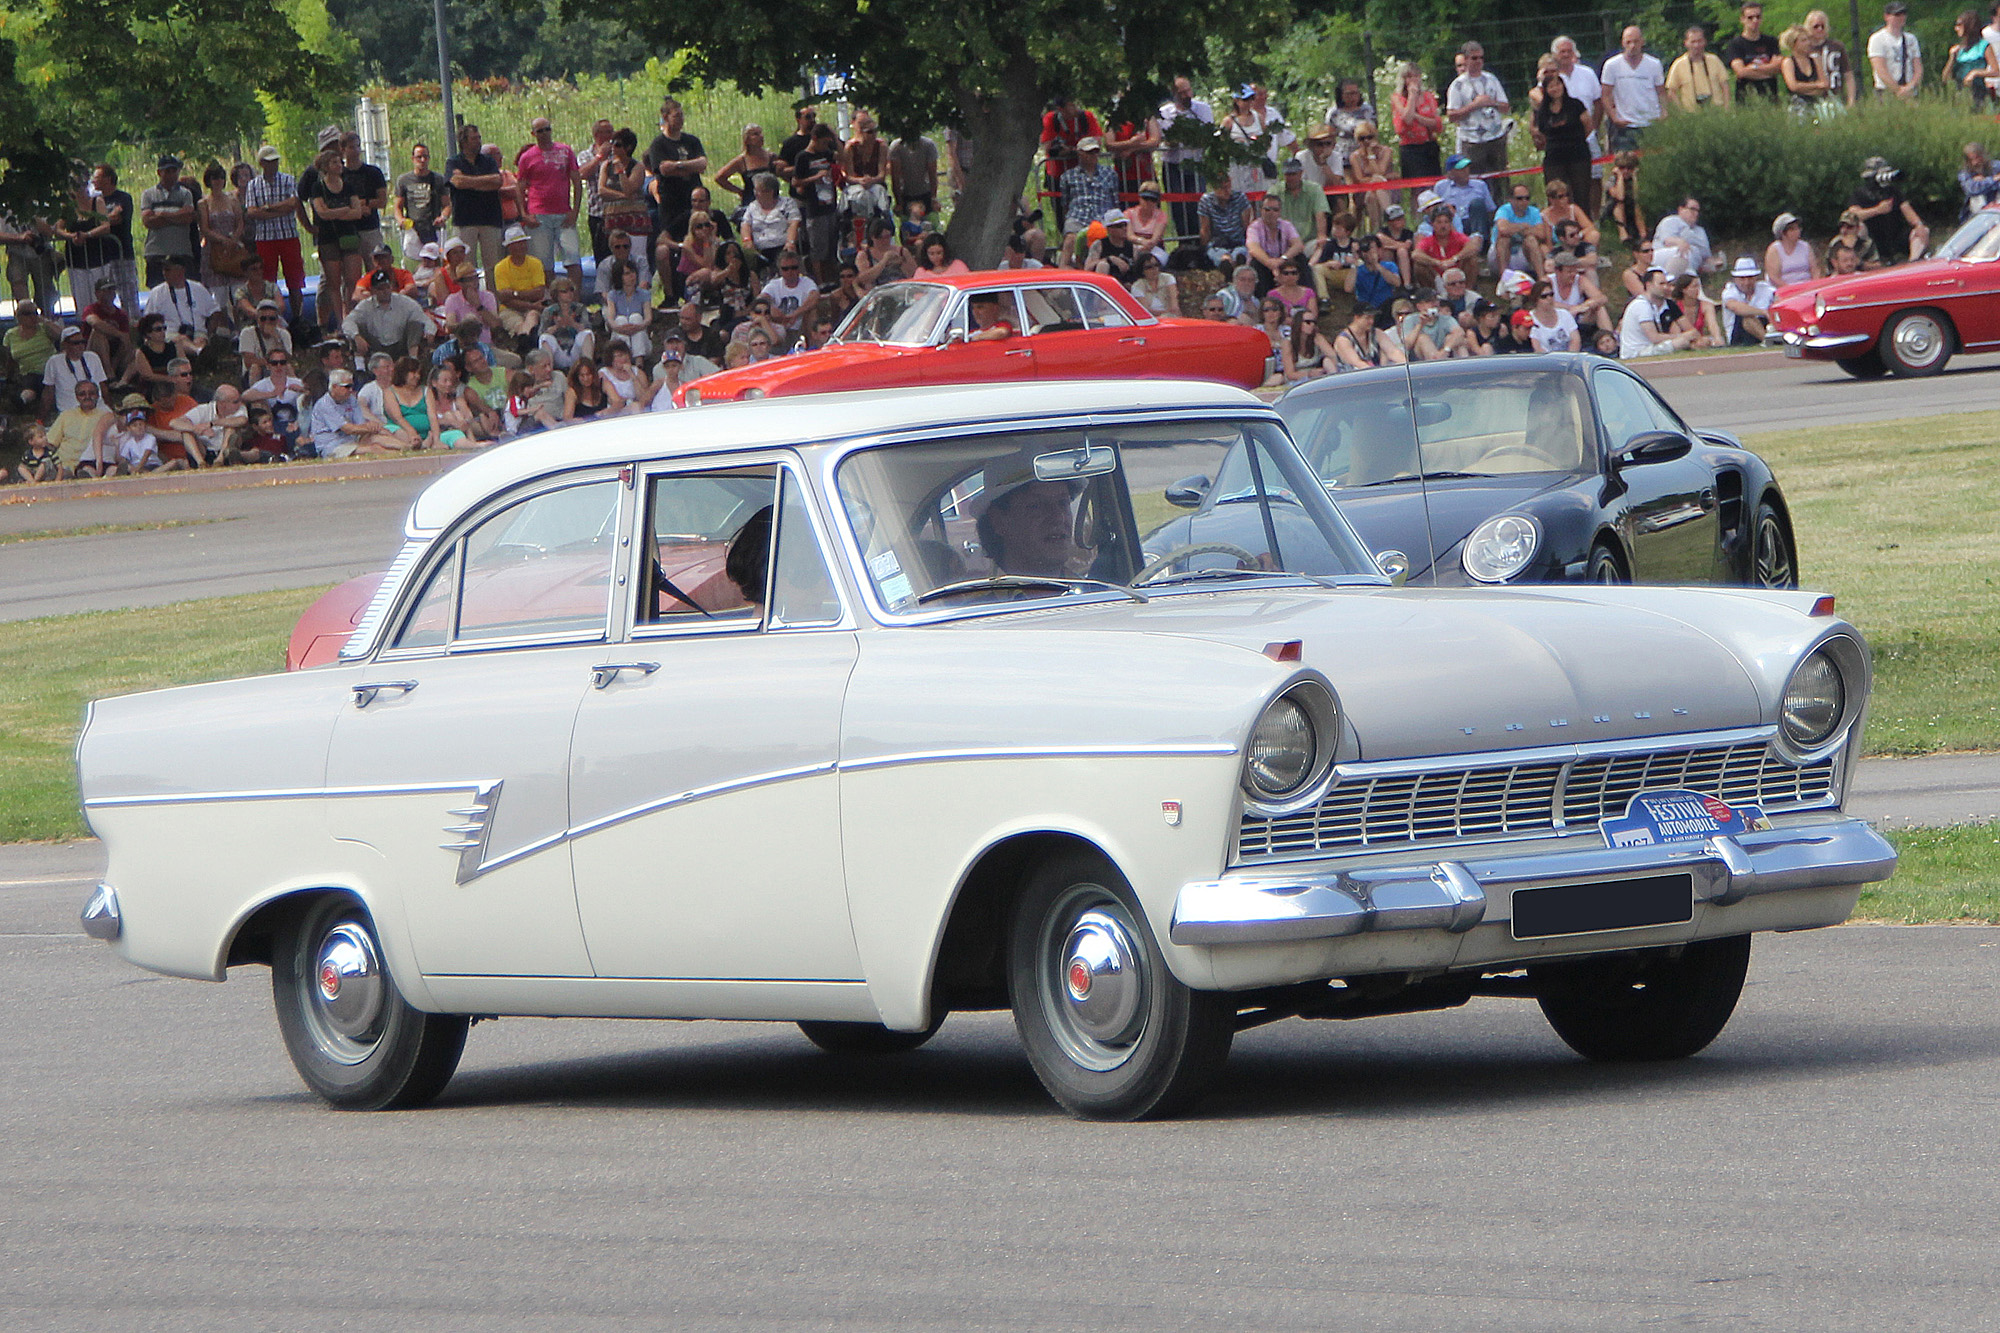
(1516, 469)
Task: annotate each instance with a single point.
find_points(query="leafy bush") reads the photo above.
(1749, 163)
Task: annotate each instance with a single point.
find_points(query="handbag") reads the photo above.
(226, 259)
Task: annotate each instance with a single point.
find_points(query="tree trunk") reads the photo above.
(1004, 127)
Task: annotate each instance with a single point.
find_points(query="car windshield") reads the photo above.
(1031, 515)
(1978, 237)
(1490, 424)
(897, 312)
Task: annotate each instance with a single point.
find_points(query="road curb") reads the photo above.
(231, 479)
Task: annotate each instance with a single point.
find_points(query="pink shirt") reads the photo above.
(545, 176)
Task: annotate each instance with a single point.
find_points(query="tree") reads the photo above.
(986, 68)
(517, 39)
(34, 170)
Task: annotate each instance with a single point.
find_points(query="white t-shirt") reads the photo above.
(63, 376)
(290, 397)
(787, 298)
(1639, 315)
(136, 446)
(769, 230)
(663, 398)
(1898, 57)
(1760, 297)
(369, 396)
(1635, 92)
(1334, 174)
(188, 308)
(202, 418)
(1487, 123)
(1554, 337)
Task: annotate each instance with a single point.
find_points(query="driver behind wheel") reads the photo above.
(1029, 528)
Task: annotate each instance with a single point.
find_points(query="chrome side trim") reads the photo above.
(1039, 752)
(293, 793)
(101, 917)
(694, 794)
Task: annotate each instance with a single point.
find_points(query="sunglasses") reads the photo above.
(1364, 138)
(621, 245)
(267, 319)
(788, 268)
(278, 361)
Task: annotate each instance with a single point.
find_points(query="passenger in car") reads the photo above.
(748, 561)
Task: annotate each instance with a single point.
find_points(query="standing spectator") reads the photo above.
(117, 208)
(1245, 125)
(1181, 163)
(676, 160)
(739, 173)
(864, 162)
(1477, 104)
(1562, 127)
(475, 179)
(1272, 241)
(913, 172)
(1224, 216)
(1370, 164)
(1895, 55)
(1752, 55)
(1132, 144)
(31, 261)
(1682, 242)
(422, 202)
(1696, 78)
(521, 285)
(1639, 331)
(1417, 121)
(1977, 180)
(1064, 126)
(270, 205)
(550, 196)
(1746, 304)
(1471, 200)
(167, 212)
(1520, 237)
(1971, 63)
(1583, 85)
(804, 119)
(1842, 85)
(1633, 82)
(1804, 72)
(1894, 226)
(813, 177)
(1305, 209)
(338, 212)
(371, 190)
(1351, 110)
(1089, 190)
(1789, 258)
(593, 156)
(225, 256)
(85, 233)
(621, 199)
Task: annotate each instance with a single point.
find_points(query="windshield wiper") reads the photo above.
(1027, 581)
(1415, 476)
(1192, 575)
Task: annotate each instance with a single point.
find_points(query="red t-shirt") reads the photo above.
(1441, 245)
(546, 176)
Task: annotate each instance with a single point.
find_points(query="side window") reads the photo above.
(429, 623)
(1099, 311)
(709, 566)
(802, 590)
(541, 568)
(1625, 407)
(1051, 309)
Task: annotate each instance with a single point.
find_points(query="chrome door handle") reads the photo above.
(1022, 351)
(365, 694)
(602, 676)
(1133, 342)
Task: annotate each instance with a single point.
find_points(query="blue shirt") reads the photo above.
(1472, 195)
(1371, 289)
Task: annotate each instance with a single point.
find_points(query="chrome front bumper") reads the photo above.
(1796, 342)
(1270, 907)
(101, 917)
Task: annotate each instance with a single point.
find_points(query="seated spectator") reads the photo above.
(1680, 242)
(261, 337)
(374, 395)
(1621, 194)
(169, 400)
(1575, 286)
(1115, 254)
(1398, 242)
(1376, 279)
(107, 324)
(696, 338)
(1371, 163)
(125, 442)
(1224, 219)
(1691, 310)
(1014, 254)
(151, 354)
(1149, 222)
(472, 304)
(1520, 237)
(188, 308)
(1271, 241)
(388, 321)
(566, 334)
(1633, 276)
(883, 259)
(39, 461)
(1789, 258)
(1559, 208)
(1893, 224)
(430, 263)
(534, 396)
(1430, 332)
(792, 297)
(285, 394)
(1155, 288)
(521, 286)
(1640, 332)
(1214, 309)
(30, 344)
(771, 224)
(1288, 291)
(75, 431)
(211, 430)
(1569, 240)
(458, 417)
(1550, 327)
(668, 381)
(586, 396)
(384, 261)
(1331, 261)
(626, 375)
(1854, 238)
(1471, 201)
(628, 310)
(1483, 331)
(1746, 304)
(1445, 246)
(935, 257)
(1239, 298)
(340, 429)
(485, 387)
(1275, 324)
(1362, 346)
(1841, 260)
(1977, 180)
(1457, 298)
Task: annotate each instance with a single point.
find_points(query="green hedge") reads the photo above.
(1747, 164)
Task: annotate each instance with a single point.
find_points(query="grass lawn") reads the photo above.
(50, 668)
(1947, 874)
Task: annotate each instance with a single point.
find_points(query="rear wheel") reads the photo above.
(1111, 1033)
(1916, 342)
(352, 1036)
(866, 1038)
(1604, 567)
(1661, 1004)
(1867, 366)
(1771, 560)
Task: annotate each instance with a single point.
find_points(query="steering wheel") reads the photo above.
(1516, 451)
(1180, 553)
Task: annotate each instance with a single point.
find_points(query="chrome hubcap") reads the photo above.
(1774, 562)
(1919, 340)
(1095, 987)
(346, 995)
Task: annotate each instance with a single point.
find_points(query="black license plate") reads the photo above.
(1618, 904)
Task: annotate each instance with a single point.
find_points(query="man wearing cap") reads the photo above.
(189, 308)
(270, 203)
(30, 345)
(388, 321)
(341, 428)
(1180, 164)
(1089, 191)
(1471, 199)
(1115, 254)
(259, 339)
(1639, 332)
(549, 186)
(1398, 242)
(422, 202)
(1444, 246)
(166, 210)
(1477, 104)
(383, 260)
(1880, 204)
(1894, 54)
(1271, 241)
(1746, 304)
(73, 364)
(521, 285)
(1305, 209)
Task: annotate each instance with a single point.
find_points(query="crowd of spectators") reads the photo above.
(519, 288)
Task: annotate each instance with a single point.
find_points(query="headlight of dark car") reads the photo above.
(1291, 746)
(1501, 547)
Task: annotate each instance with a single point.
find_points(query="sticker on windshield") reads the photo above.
(887, 571)
(1654, 817)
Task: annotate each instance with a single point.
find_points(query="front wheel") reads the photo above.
(1112, 1034)
(1659, 1004)
(352, 1036)
(1604, 567)
(1771, 559)
(1916, 343)
(865, 1038)
(1867, 366)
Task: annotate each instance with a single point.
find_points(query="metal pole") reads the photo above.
(450, 144)
(1854, 27)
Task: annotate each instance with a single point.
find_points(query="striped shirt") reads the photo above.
(262, 192)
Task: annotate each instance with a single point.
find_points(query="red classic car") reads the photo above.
(1062, 324)
(1907, 320)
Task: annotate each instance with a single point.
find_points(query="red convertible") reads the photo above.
(1907, 320)
(1061, 324)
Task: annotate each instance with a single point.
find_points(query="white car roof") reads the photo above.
(806, 419)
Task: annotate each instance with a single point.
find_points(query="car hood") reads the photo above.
(1394, 517)
(1882, 284)
(774, 375)
(1424, 672)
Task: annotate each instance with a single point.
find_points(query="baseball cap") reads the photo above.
(1293, 166)
(1393, 211)
(1454, 163)
(1522, 319)
(168, 162)
(268, 304)
(1850, 217)
(1782, 221)
(267, 154)
(71, 332)
(381, 279)
(107, 284)
(429, 250)
(1895, 7)
(1651, 269)
(341, 377)
(1745, 267)
(516, 234)
(1114, 218)
(329, 135)
(1089, 143)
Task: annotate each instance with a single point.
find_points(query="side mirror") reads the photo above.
(1396, 565)
(1653, 446)
(1188, 492)
(953, 338)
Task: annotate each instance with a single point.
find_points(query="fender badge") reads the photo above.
(1171, 811)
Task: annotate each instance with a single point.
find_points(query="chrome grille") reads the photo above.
(1503, 800)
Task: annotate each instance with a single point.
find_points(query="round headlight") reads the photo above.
(1282, 749)
(1815, 701)
(691, 396)
(1501, 547)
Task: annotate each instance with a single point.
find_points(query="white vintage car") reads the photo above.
(855, 710)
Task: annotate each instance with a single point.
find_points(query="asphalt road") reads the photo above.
(1828, 1164)
(1817, 393)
